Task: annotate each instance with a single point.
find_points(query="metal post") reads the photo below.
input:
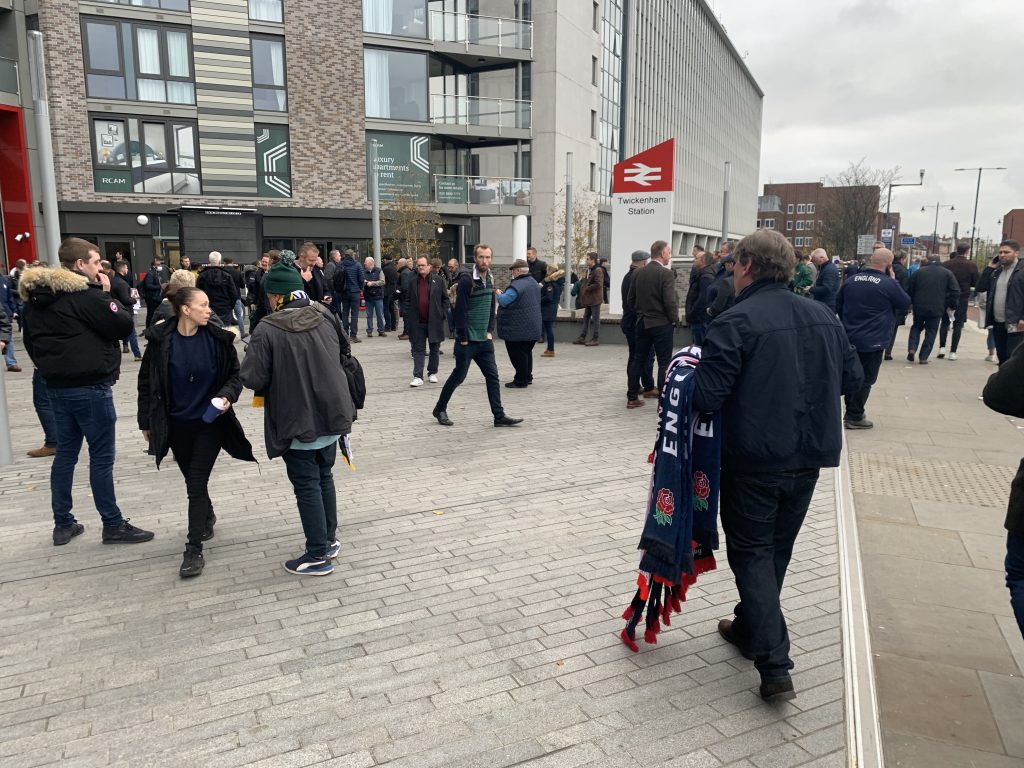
(725, 201)
(375, 201)
(935, 232)
(47, 173)
(567, 293)
(974, 218)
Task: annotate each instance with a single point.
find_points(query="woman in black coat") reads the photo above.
(550, 294)
(187, 383)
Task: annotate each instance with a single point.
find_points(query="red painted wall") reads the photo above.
(15, 190)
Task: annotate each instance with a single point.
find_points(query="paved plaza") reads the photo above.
(472, 619)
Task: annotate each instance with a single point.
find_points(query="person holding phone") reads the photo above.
(188, 381)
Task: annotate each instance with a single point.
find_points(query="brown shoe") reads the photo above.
(41, 453)
(580, 341)
(381, 333)
(14, 368)
(548, 353)
(652, 392)
(777, 690)
(403, 337)
(725, 630)
(634, 403)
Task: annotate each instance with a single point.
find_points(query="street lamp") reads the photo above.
(888, 200)
(935, 232)
(977, 192)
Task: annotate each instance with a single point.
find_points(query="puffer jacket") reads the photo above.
(72, 328)
(302, 342)
(550, 294)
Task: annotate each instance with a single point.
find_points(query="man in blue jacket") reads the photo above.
(774, 365)
(826, 286)
(868, 304)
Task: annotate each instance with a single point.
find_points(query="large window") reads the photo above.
(138, 62)
(273, 161)
(266, 10)
(268, 80)
(396, 84)
(407, 18)
(164, 5)
(148, 155)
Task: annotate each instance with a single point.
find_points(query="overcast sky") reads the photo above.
(933, 84)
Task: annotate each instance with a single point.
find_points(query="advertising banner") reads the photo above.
(403, 166)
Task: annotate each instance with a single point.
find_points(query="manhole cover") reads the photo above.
(955, 482)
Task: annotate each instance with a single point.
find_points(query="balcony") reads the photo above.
(486, 113)
(9, 76)
(482, 195)
(469, 29)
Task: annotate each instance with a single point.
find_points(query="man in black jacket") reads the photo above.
(900, 274)
(1004, 394)
(425, 305)
(538, 268)
(935, 292)
(152, 287)
(1004, 311)
(73, 330)
(701, 275)
(390, 293)
(966, 273)
(349, 280)
(638, 261)
(220, 287)
(652, 296)
(774, 365)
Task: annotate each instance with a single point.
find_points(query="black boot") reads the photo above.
(211, 520)
(192, 562)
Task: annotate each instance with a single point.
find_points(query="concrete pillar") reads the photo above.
(519, 243)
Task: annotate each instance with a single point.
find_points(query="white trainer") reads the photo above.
(432, 378)
(416, 382)
(952, 356)
(942, 353)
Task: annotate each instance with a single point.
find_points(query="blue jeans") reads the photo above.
(482, 353)
(549, 334)
(9, 353)
(350, 313)
(239, 315)
(1015, 576)
(311, 475)
(762, 513)
(133, 342)
(374, 307)
(84, 412)
(44, 411)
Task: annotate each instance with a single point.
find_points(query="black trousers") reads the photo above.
(196, 445)
(871, 362)
(350, 312)
(660, 339)
(151, 305)
(1005, 341)
(647, 368)
(419, 338)
(390, 313)
(520, 354)
(930, 326)
(481, 353)
(959, 318)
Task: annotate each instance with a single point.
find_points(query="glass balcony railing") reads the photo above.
(481, 190)
(9, 76)
(474, 110)
(451, 27)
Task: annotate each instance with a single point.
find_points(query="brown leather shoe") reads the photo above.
(41, 453)
(725, 630)
(381, 333)
(14, 368)
(548, 353)
(634, 403)
(652, 392)
(403, 337)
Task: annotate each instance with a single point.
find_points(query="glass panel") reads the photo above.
(177, 54)
(395, 17)
(267, 61)
(159, 183)
(105, 86)
(186, 184)
(101, 41)
(396, 84)
(272, 99)
(175, 5)
(155, 146)
(265, 10)
(184, 146)
(147, 44)
(108, 137)
(152, 90)
(181, 93)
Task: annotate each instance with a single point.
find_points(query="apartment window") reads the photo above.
(757, 224)
(800, 207)
(149, 155)
(789, 226)
(593, 177)
(268, 74)
(769, 223)
(798, 241)
(138, 62)
(594, 70)
(164, 5)
(395, 83)
(799, 226)
(789, 208)
(597, 16)
(407, 18)
(809, 225)
(273, 161)
(266, 10)
(593, 123)
(810, 207)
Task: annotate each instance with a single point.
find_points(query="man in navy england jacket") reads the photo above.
(774, 365)
(868, 304)
(826, 286)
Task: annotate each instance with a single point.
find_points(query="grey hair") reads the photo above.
(214, 258)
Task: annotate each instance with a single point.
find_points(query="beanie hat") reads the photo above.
(282, 279)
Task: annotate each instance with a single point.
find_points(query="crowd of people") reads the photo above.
(773, 326)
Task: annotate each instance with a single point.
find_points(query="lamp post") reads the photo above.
(888, 200)
(935, 231)
(977, 192)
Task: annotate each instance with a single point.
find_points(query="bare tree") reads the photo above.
(584, 227)
(409, 229)
(850, 207)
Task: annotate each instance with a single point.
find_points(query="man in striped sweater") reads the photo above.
(473, 316)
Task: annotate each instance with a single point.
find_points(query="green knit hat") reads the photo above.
(282, 279)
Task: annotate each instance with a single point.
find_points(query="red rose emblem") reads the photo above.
(664, 506)
(701, 485)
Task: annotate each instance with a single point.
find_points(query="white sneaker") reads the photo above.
(990, 358)
(334, 550)
(942, 353)
(952, 356)
(416, 382)
(432, 378)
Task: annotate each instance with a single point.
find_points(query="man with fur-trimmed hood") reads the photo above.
(72, 332)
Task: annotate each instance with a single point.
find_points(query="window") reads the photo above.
(273, 161)
(148, 155)
(593, 177)
(407, 18)
(597, 16)
(757, 224)
(593, 70)
(268, 79)
(769, 223)
(809, 225)
(138, 62)
(164, 5)
(266, 10)
(800, 207)
(593, 123)
(789, 208)
(799, 226)
(798, 241)
(789, 226)
(396, 84)
(810, 207)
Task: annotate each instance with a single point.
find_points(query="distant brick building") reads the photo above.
(1013, 225)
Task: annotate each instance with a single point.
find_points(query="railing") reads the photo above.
(476, 110)
(9, 76)
(481, 190)
(451, 27)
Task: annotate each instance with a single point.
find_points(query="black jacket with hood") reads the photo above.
(154, 413)
(221, 287)
(934, 289)
(72, 328)
(295, 361)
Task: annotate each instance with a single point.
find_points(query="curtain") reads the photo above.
(377, 78)
(265, 10)
(177, 54)
(378, 16)
(277, 64)
(147, 43)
